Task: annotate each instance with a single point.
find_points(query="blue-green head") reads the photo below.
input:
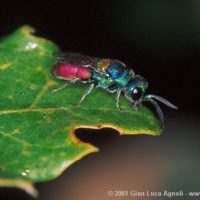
(135, 92)
(135, 89)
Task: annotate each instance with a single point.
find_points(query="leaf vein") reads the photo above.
(41, 93)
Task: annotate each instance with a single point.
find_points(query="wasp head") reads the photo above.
(135, 92)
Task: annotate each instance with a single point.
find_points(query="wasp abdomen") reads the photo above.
(68, 71)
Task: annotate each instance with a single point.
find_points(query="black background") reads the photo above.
(160, 40)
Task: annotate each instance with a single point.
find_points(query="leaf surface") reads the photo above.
(37, 140)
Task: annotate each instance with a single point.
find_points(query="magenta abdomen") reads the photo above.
(83, 73)
(67, 71)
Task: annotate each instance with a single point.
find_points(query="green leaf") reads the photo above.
(37, 140)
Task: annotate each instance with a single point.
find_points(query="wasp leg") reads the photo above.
(132, 73)
(60, 88)
(86, 93)
(117, 99)
(65, 85)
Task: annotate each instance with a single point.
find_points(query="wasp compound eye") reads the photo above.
(136, 94)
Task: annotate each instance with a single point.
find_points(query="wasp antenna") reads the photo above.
(158, 110)
(162, 100)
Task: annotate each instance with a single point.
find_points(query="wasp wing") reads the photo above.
(76, 59)
(80, 60)
(91, 63)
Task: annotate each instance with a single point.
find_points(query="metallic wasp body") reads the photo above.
(109, 74)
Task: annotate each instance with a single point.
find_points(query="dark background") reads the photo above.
(160, 40)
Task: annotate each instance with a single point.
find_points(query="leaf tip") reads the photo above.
(27, 30)
(23, 184)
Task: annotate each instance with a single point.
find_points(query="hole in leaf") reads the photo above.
(96, 137)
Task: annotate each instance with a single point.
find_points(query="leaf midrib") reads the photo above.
(43, 110)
